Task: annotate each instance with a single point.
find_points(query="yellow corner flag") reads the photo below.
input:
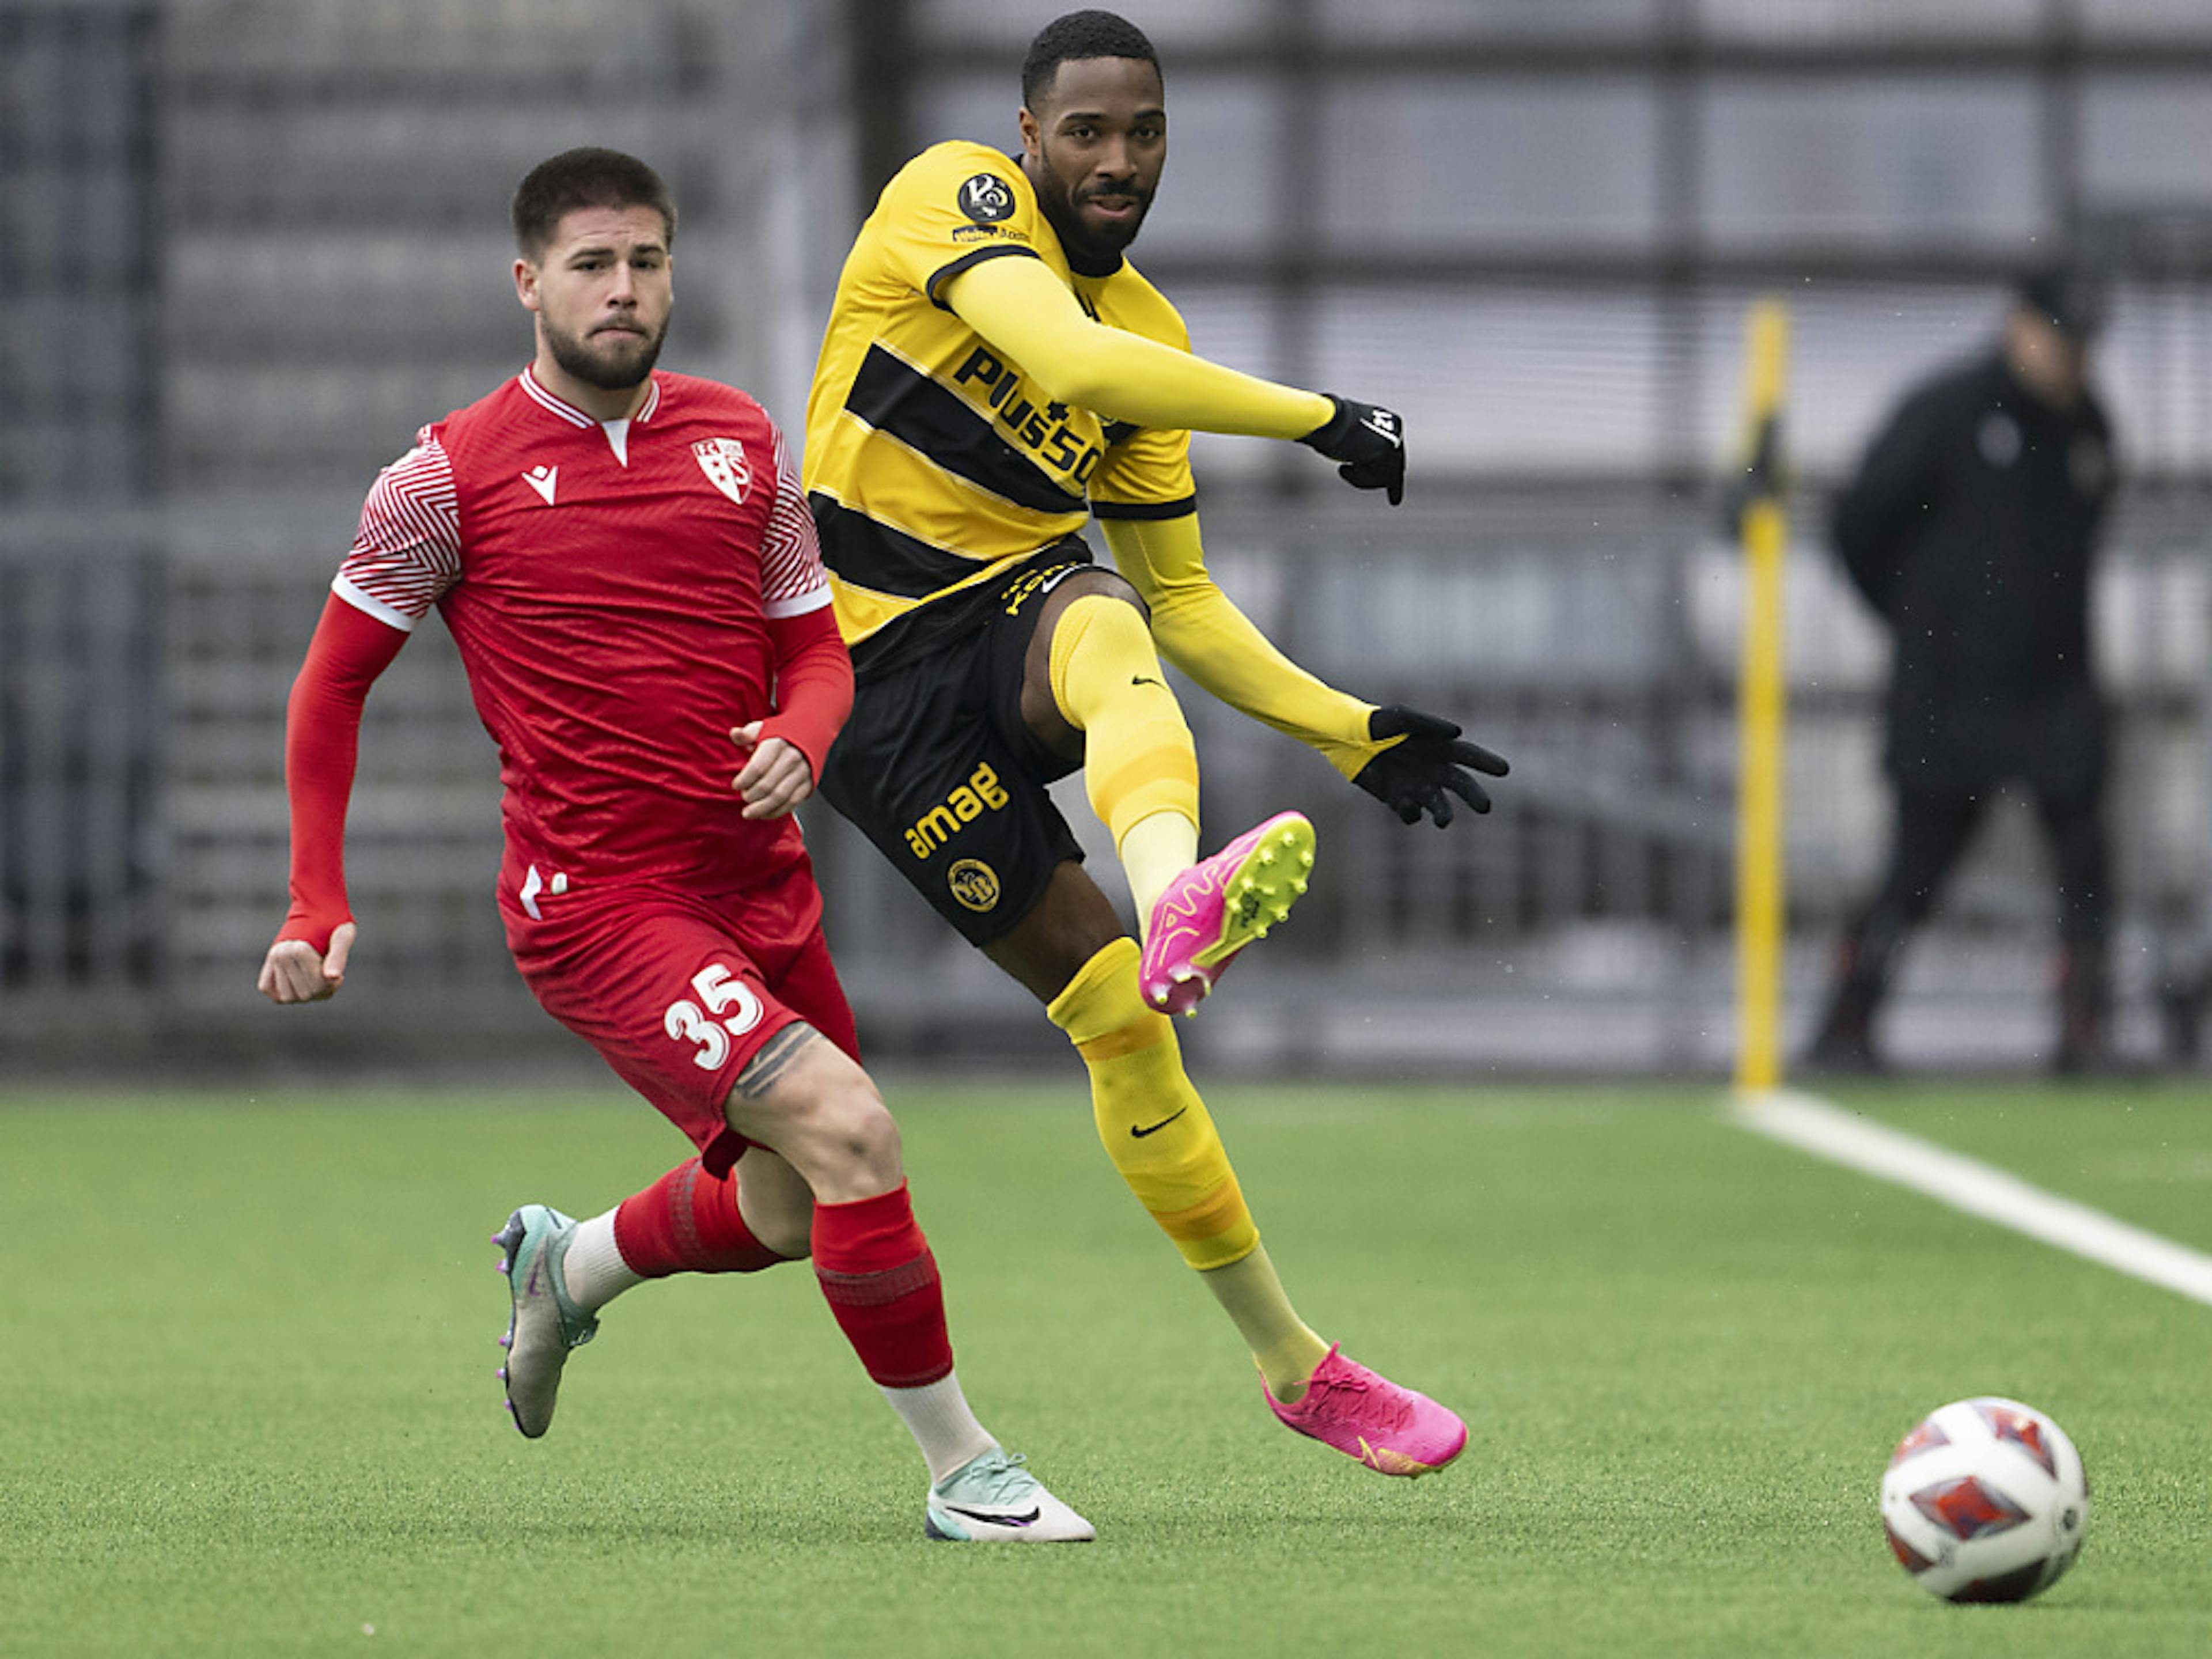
(1761, 706)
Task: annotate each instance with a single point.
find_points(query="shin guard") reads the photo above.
(880, 1281)
(688, 1222)
(1150, 1119)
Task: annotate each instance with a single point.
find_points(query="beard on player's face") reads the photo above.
(1088, 241)
(612, 357)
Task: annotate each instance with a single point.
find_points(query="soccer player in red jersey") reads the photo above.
(628, 567)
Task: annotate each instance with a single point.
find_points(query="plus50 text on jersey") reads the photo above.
(1041, 430)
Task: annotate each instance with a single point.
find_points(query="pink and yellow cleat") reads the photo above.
(1363, 1415)
(1218, 906)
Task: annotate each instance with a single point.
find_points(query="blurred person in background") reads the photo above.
(626, 565)
(1971, 529)
(994, 373)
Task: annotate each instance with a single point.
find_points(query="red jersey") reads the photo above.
(609, 585)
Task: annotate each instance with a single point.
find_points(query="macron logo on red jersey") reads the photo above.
(540, 479)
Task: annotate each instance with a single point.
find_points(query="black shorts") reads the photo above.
(937, 768)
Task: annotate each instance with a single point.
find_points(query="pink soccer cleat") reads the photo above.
(1363, 1415)
(1218, 906)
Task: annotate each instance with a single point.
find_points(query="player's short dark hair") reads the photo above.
(586, 177)
(1081, 35)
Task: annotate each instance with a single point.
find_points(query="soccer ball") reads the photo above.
(1985, 1501)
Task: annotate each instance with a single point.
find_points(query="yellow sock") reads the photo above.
(1285, 1348)
(1161, 1138)
(1153, 1125)
(1139, 765)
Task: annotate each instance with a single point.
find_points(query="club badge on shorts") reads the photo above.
(723, 461)
(973, 884)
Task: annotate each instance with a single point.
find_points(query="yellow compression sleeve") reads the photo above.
(1200, 630)
(1151, 1121)
(1137, 756)
(1027, 312)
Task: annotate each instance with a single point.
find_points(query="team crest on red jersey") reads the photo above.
(723, 461)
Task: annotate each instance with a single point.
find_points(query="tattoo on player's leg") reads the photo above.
(775, 1058)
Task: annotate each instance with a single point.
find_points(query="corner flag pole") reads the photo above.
(1761, 706)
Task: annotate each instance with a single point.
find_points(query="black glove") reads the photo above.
(1412, 777)
(1370, 441)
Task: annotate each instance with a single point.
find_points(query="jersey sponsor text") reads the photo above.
(982, 793)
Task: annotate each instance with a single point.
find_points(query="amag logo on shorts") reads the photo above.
(982, 793)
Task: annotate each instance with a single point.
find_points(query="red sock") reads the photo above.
(688, 1222)
(881, 1283)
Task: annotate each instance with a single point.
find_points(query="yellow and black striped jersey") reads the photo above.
(932, 463)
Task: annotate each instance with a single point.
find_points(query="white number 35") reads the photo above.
(712, 1030)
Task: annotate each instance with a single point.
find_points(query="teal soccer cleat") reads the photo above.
(544, 1324)
(995, 1498)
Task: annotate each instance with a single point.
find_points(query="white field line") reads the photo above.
(1965, 1183)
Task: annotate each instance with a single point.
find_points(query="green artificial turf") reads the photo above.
(2139, 1149)
(247, 1402)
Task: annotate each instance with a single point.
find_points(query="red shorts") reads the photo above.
(679, 988)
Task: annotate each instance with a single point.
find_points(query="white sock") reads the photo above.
(942, 1425)
(593, 1270)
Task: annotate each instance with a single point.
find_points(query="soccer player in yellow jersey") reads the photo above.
(994, 373)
